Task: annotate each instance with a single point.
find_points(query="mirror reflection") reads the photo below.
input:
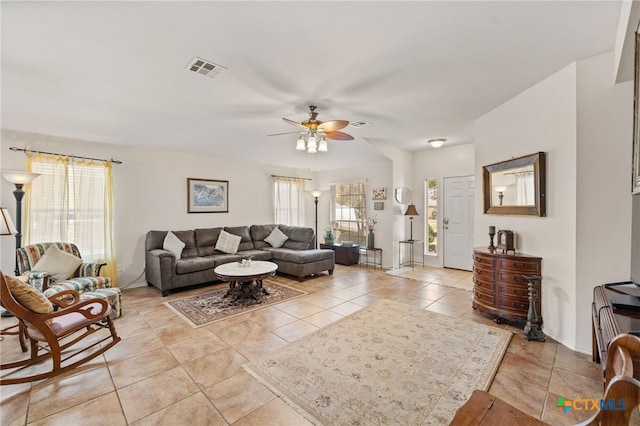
(516, 186)
(513, 187)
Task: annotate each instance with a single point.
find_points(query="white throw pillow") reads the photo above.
(173, 244)
(57, 263)
(276, 238)
(228, 243)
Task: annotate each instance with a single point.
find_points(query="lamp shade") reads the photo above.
(18, 177)
(500, 188)
(6, 223)
(316, 193)
(411, 211)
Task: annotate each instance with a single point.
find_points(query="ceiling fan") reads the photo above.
(315, 127)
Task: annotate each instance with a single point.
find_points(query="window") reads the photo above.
(431, 219)
(348, 211)
(72, 201)
(288, 201)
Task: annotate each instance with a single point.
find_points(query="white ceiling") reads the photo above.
(115, 72)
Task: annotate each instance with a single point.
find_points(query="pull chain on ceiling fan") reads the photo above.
(315, 134)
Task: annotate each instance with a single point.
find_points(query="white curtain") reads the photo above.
(289, 201)
(72, 201)
(524, 189)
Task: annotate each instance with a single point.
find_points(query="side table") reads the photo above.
(377, 257)
(411, 244)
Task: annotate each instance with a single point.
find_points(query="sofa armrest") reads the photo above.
(160, 266)
(90, 269)
(38, 280)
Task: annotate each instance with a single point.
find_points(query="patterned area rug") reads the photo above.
(207, 308)
(389, 363)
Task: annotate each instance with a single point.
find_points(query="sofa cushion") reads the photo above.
(259, 233)
(276, 238)
(173, 244)
(57, 263)
(299, 238)
(188, 238)
(246, 243)
(194, 264)
(301, 256)
(206, 240)
(228, 243)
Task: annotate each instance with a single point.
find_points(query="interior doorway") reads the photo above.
(457, 222)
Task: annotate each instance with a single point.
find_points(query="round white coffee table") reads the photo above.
(245, 281)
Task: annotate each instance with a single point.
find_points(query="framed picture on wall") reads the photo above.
(635, 167)
(378, 205)
(207, 196)
(380, 193)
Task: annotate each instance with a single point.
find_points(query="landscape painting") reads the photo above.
(207, 196)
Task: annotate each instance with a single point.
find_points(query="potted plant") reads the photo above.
(372, 221)
(246, 260)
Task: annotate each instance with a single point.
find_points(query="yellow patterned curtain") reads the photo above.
(72, 201)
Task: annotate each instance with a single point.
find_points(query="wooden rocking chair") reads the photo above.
(621, 394)
(54, 336)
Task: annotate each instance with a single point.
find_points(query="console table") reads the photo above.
(377, 257)
(409, 243)
(614, 310)
(499, 286)
(345, 255)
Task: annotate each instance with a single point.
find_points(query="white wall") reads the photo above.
(376, 175)
(150, 192)
(605, 132)
(401, 176)
(448, 161)
(583, 123)
(543, 118)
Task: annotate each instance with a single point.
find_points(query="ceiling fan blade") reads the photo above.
(338, 136)
(295, 123)
(278, 134)
(333, 125)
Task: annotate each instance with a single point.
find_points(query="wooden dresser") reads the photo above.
(615, 309)
(499, 287)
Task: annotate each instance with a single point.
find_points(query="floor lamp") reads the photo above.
(19, 179)
(411, 211)
(316, 194)
(6, 228)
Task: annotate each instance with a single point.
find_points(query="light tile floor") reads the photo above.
(165, 372)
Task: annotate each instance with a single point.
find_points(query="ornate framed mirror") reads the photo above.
(516, 186)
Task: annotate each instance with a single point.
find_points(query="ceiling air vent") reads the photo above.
(359, 124)
(204, 67)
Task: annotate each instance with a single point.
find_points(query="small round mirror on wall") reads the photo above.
(403, 195)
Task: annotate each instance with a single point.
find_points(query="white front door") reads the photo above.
(458, 222)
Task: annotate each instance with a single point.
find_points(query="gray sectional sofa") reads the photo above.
(199, 257)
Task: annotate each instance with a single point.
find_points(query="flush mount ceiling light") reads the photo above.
(436, 143)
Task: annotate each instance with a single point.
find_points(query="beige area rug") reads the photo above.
(449, 278)
(389, 363)
(207, 308)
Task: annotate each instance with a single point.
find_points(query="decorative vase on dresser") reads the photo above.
(499, 286)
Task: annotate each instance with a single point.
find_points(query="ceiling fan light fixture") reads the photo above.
(300, 144)
(322, 147)
(436, 143)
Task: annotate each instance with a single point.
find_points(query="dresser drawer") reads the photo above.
(480, 259)
(521, 266)
(484, 273)
(484, 285)
(483, 297)
(514, 291)
(513, 304)
(513, 278)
